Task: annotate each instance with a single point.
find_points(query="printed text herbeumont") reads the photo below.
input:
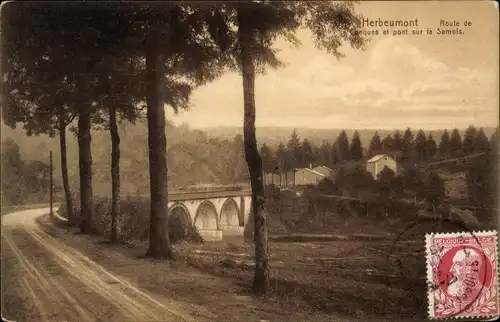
(389, 23)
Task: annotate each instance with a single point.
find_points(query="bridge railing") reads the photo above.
(177, 195)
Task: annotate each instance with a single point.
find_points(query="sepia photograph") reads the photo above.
(259, 160)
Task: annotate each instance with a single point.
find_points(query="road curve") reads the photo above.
(46, 280)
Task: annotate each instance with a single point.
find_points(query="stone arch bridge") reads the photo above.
(214, 214)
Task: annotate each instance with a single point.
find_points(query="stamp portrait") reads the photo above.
(462, 275)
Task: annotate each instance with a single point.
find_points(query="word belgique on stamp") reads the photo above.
(462, 275)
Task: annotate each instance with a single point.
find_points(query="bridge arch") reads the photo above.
(179, 223)
(206, 216)
(229, 214)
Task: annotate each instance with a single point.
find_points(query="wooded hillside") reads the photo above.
(193, 157)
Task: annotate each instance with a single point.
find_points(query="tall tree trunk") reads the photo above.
(115, 170)
(85, 164)
(159, 242)
(252, 156)
(64, 169)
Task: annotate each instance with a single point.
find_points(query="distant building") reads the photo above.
(324, 170)
(455, 186)
(377, 163)
(301, 176)
(279, 179)
(305, 176)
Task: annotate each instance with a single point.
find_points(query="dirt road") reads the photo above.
(46, 280)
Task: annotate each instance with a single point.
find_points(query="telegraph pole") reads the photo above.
(51, 184)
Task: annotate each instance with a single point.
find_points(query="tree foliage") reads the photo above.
(375, 145)
(408, 145)
(307, 154)
(294, 150)
(421, 146)
(432, 149)
(482, 178)
(482, 144)
(268, 162)
(22, 181)
(434, 191)
(342, 147)
(444, 148)
(356, 149)
(455, 143)
(469, 140)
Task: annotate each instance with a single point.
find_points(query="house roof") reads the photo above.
(313, 171)
(376, 158)
(324, 170)
(324, 167)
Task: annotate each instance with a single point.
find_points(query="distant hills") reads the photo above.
(274, 135)
(195, 156)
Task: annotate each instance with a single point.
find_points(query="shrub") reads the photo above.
(327, 186)
(132, 221)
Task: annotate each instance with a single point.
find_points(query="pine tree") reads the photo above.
(421, 146)
(335, 154)
(342, 147)
(356, 147)
(482, 143)
(444, 148)
(267, 159)
(431, 147)
(281, 159)
(293, 147)
(375, 145)
(325, 154)
(307, 153)
(398, 141)
(455, 143)
(469, 140)
(387, 144)
(407, 145)
(258, 24)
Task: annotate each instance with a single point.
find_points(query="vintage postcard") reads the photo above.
(249, 160)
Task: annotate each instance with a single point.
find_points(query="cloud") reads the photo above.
(427, 89)
(393, 80)
(396, 59)
(367, 90)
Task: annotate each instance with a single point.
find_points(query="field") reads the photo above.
(373, 279)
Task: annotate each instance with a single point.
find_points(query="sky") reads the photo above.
(425, 81)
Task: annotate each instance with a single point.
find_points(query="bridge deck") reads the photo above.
(197, 195)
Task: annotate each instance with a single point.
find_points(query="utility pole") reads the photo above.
(51, 188)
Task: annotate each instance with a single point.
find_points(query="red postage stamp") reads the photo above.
(462, 275)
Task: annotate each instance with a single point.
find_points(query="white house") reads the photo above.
(305, 176)
(377, 163)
